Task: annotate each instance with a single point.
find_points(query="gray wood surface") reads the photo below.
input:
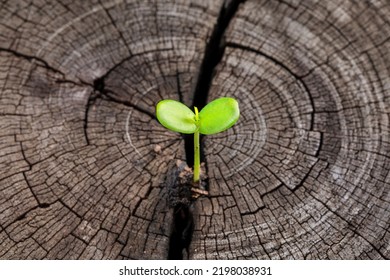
(85, 166)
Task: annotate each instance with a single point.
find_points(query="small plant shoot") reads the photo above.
(217, 116)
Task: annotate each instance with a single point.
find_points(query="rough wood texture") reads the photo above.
(304, 173)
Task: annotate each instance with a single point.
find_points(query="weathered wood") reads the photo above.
(81, 176)
(304, 173)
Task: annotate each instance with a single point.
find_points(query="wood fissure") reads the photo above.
(213, 53)
(32, 58)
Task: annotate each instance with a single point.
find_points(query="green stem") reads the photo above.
(196, 157)
(196, 150)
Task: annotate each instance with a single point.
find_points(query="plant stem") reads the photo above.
(196, 149)
(196, 156)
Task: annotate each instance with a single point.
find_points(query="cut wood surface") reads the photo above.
(86, 169)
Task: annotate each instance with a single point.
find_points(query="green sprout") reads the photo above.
(215, 117)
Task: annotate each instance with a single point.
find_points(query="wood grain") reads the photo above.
(304, 174)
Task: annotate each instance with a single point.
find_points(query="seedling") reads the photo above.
(215, 117)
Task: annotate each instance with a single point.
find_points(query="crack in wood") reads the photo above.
(100, 92)
(91, 100)
(181, 235)
(31, 58)
(214, 52)
(183, 220)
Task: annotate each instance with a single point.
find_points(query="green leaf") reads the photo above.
(176, 116)
(218, 115)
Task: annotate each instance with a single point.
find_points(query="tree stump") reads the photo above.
(86, 169)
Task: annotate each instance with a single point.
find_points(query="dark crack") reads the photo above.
(24, 214)
(31, 58)
(31, 189)
(179, 92)
(183, 220)
(109, 95)
(214, 52)
(181, 236)
(100, 92)
(319, 145)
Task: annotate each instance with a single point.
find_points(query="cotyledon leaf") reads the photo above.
(176, 116)
(218, 115)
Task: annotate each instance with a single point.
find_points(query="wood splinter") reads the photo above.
(197, 192)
